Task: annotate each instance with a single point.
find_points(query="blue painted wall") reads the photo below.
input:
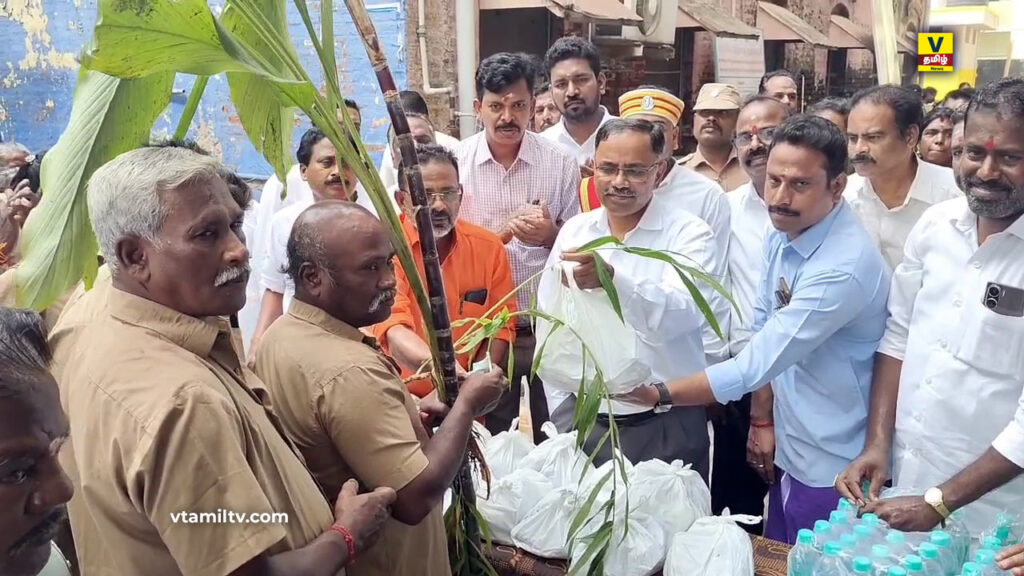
(37, 77)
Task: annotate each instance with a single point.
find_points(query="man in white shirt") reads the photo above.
(745, 436)
(654, 301)
(948, 373)
(545, 113)
(412, 103)
(577, 83)
(522, 187)
(328, 179)
(892, 187)
(683, 188)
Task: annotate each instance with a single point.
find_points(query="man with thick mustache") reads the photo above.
(342, 401)
(522, 187)
(745, 436)
(714, 123)
(892, 187)
(477, 275)
(328, 179)
(164, 416)
(819, 316)
(947, 403)
(654, 301)
(33, 487)
(573, 65)
(545, 113)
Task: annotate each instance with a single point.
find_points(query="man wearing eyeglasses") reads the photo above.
(477, 275)
(745, 436)
(654, 301)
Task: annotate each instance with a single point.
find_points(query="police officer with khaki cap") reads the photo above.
(714, 124)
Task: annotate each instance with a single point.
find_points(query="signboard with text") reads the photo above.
(935, 52)
(740, 62)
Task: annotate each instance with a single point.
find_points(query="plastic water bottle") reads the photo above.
(971, 569)
(987, 560)
(849, 544)
(864, 538)
(823, 534)
(830, 563)
(804, 555)
(896, 571)
(861, 566)
(1005, 529)
(882, 559)
(947, 558)
(848, 509)
(932, 563)
(960, 535)
(914, 565)
(876, 524)
(992, 543)
(897, 542)
(840, 522)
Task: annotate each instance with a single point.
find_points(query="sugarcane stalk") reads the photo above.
(445, 377)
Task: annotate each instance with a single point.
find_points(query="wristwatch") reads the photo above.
(664, 398)
(933, 496)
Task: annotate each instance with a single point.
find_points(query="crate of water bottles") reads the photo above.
(848, 545)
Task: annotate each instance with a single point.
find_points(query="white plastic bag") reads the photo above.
(544, 531)
(638, 551)
(510, 499)
(672, 493)
(558, 459)
(713, 546)
(587, 314)
(504, 452)
(616, 483)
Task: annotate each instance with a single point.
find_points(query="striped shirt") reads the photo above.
(492, 196)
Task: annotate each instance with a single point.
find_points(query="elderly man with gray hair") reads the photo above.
(179, 464)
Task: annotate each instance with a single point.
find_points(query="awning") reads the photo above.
(598, 11)
(843, 33)
(781, 25)
(697, 14)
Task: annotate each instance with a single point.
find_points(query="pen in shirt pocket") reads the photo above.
(783, 295)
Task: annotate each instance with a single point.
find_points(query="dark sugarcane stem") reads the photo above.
(444, 362)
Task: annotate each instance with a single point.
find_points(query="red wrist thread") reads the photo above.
(761, 424)
(350, 542)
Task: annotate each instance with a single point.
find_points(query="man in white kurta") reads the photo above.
(950, 373)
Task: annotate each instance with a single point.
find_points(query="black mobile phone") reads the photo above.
(1004, 300)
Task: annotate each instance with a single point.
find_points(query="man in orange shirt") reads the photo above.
(476, 272)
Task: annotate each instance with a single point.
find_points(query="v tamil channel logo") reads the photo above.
(935, 52)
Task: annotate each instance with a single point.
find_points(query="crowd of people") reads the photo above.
(268, 356)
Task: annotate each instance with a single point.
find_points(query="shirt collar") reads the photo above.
(967, 222)
(925, 185)
(750, 196)
(197, 335)
(528, 150)
(701, 160)
(810, 240)
(322, 319)
(652, 220)
(412, 235)
(563, 131)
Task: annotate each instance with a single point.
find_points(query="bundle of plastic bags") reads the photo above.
(558, 459)
(713, 546)
(636, 551)
(506, 451)
(544, 531)
(510, 499)
(673, 494)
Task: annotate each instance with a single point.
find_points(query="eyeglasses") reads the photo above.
(633, 173)
(449, 196)
(764, 135)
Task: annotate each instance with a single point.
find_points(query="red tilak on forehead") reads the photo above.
(990, 145)
(755, 130)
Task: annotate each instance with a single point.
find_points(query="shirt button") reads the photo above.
(942, 343)
(958, 302)
(928, 381)
(976, 264)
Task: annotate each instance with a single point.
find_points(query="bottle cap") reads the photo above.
(929, 551)
(941, 539)
(805, 536)
(844, 505)
(848, 541)
(992, 543)
(895, 537)
(861, 565)
(971, 569)
(870, 519)
(985, 557)
(837, 517)
(880, 551)
(822, 527)
(862, 531)
(833, 548)
(897, 571)
(913, 562)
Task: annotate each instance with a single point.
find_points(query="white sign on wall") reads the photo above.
(740, 62)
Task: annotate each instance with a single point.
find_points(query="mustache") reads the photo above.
(233, 273)
(974, 183)
(862, 159)
(782, 210)
(756, 154)
(508, 125)
(379, 300)
(41, 534)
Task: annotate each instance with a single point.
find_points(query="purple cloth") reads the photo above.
(793, 506)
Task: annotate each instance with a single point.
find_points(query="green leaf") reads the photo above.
(264, 111)
(583, 514)
(109, 116)
(191, 106)
(609, 287)
(598, 243)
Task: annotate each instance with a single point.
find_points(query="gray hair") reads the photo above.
(124, 195)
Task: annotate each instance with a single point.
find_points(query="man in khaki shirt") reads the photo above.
(164, 417)
(714, 125)
(343, 402)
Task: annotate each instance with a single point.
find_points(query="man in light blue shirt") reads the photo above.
(819, 317)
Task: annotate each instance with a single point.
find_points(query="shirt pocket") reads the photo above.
(993, 343)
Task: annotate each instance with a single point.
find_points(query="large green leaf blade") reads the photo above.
(109, 116)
